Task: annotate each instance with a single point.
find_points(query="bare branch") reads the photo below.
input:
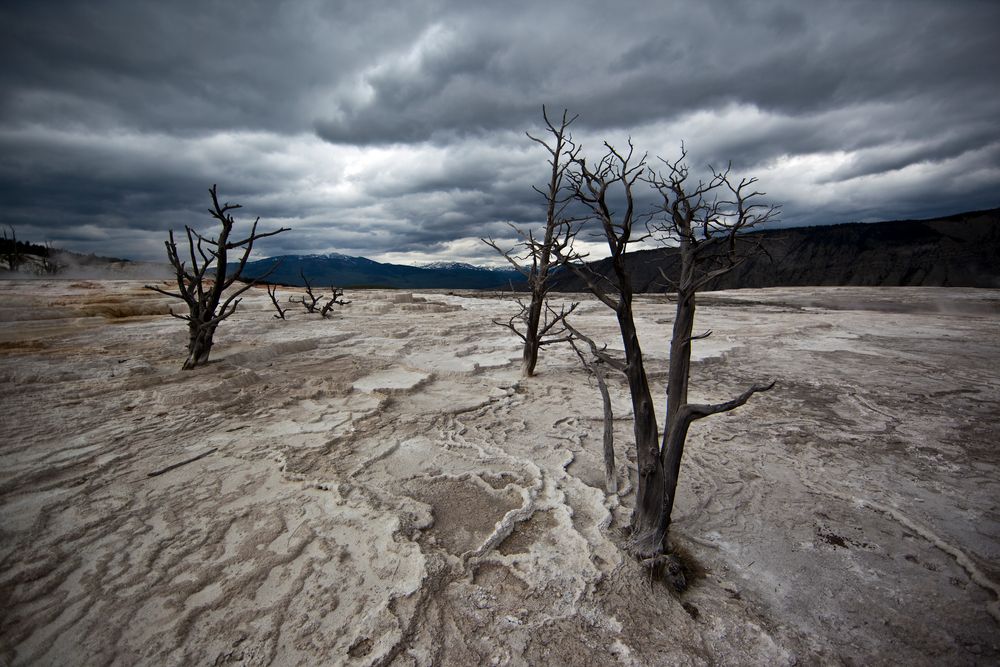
(334, 300)
(699, 336)
(163, 291)
(272, 291)
(508, 255)
(599, 353)
(310, 300)
(700, 411)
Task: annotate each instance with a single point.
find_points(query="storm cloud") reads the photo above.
(396, 130)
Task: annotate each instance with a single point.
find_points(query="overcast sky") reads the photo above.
(396, 130)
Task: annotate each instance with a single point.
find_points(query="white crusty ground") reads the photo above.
(385, 489)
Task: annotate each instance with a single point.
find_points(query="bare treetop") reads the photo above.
(709, 219)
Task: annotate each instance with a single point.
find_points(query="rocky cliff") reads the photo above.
(961, 250)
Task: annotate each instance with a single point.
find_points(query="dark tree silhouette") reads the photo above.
(49, 264)
(203, 284)
(706, 221)
(272, 291)
(310, 300)
(335, 300)
(613, 179)
(536, 258)
(12, 252)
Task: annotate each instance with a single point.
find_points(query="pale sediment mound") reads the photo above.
(382, 487)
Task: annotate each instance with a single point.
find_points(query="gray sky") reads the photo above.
(396, 130)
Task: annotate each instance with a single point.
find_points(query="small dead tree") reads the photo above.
(272, 291)
(535, 258)
(549, 328)
(335, 300)
(310, 299)
(12, 253)
(597, 364)
(203, 284)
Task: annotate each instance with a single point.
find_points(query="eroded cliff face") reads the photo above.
(384, 488)
(958, 251)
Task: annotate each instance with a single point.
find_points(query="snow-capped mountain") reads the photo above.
(462, 266)
(348, 271)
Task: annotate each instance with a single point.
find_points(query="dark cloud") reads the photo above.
(399, 128)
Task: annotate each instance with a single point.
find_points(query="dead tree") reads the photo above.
(549, 328)
(203, 284)
(606, 192)
(272, 291)
(13, 252)
(335, 300)
(535, 258)
(597, 364)
(707, 222)
(310, 299)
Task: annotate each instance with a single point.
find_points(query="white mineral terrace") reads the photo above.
(382, 487)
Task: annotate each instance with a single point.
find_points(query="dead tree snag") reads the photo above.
(203, 284)
(335, 300)
(272, 291)
(310, 299)
(12, 253)
(707, 222)
(536, 258)
(606, 192)
(549, 328)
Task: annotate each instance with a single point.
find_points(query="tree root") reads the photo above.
(668, 568)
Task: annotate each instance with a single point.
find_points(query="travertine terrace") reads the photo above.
(383, 488)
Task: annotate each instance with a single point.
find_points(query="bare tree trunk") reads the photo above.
(591, 187)
(675, 437)
(680, 356)
(200, 341)
(529, 357)
(610, 475)
(674, 431)
(673, 451)
(272, 292)
(648, 527)
(707, 227)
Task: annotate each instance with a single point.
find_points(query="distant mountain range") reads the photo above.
(346, 271)
(960, 250)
